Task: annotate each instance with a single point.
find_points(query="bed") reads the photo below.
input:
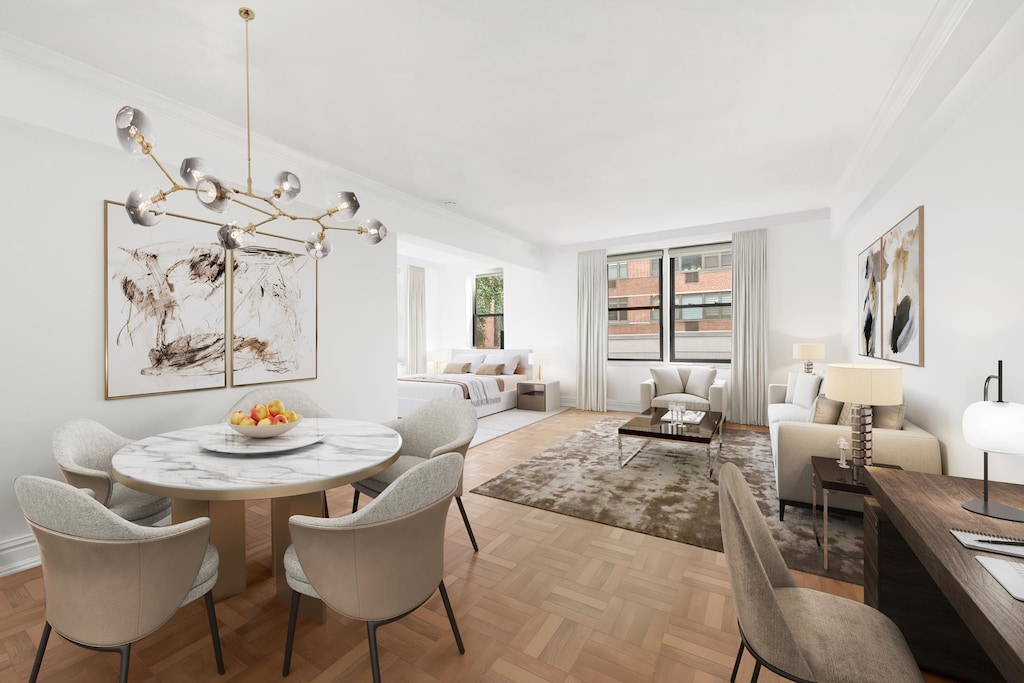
(489, 393)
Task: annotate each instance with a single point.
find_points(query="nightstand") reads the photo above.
(538, 396)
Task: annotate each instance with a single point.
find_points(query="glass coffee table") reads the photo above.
(650, 425)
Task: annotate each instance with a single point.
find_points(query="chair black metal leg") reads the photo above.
(214, 632)
(126, 655)
(736, 666)
(355, 501)
(293, 616)
(451, 618)
(757, 672)
(371, 635)
(39, 652)
(469, 529)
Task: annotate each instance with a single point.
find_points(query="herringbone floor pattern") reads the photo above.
(547, 598)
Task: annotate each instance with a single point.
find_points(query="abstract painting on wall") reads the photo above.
(903, 290)
(274, 313)
(166, 296)
(869, 321)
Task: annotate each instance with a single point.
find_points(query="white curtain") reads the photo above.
(416, 352)
(749, 386)
(592, 331)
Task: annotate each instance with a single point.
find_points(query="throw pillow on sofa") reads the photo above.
(666, 381)
(826, 411)
(791, 385)
(806, 390)
(700, 381)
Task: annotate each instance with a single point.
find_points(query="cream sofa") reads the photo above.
(696, 386)
(795, 438)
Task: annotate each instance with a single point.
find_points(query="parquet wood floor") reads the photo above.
(548, 598)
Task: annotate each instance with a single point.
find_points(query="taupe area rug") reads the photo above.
(665, 491)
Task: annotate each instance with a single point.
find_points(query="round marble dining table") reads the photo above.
(210, 471)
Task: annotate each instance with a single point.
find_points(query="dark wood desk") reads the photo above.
(915, 571)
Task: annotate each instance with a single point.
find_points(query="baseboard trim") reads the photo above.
(18, 554)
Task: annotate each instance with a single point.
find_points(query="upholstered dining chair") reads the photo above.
(109, 582)
(83, 449)
(799, 633)
(293, 399)
(443, 425)
(379, 563)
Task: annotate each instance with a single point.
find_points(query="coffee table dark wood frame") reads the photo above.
(649, 426)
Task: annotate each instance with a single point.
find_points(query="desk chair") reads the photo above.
(83, 450)
(443, 425)
(799, 633)
(109, 582)
(381, 563)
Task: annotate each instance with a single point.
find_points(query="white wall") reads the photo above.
(969, 182)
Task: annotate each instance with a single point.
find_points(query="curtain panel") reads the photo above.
(592, 331)
(416, 352)
(749, 386)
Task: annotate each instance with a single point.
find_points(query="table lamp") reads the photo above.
(808, 353)
(537, 360)
(437, 356)
(994, 427)
(863, 386)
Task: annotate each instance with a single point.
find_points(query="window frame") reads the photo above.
(654, 268)
(478, 318)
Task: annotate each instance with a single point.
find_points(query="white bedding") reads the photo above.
(483, 389)
(414, 394)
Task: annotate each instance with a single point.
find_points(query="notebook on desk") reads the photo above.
(990, 542)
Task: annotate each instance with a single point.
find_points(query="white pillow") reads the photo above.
(791, 385)
(509, 360)
(806, 390)
(666, 381)
(700, 381)
(474, 360)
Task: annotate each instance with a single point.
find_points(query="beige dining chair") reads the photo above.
(83, 449)
(799, 633)
(109, 582)
(443, 425)
(380, 563)
(293, 399)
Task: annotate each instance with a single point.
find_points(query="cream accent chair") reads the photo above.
(293, 399)
(695, 386)
(109, 582)
(799, 633)
(380, 563)
(443, 425)
(83, 450)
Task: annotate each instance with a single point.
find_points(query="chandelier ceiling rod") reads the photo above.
(146, 206)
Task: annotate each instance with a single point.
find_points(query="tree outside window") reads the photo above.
(489, 312)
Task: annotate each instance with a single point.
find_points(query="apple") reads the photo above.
(292, 416)
(275, 407)
(247, 422)
(265, 422)
(258, 412)
(236, 417)
(279, 419)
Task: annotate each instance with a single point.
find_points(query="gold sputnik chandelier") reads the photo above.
(145, 206)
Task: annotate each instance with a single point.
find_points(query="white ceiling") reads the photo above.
(559, 121)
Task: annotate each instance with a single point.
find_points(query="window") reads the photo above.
(697, 327)
(634, 306)
(489, 312)
(701, 303)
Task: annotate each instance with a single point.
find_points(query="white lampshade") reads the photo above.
(538, 359)
(866, 385)
(808, 351)
(995, 427)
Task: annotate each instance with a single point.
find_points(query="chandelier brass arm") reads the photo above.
(146, 206)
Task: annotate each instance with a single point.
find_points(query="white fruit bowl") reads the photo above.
(264, 432)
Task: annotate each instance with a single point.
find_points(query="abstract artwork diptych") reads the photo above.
(891, 293)
(167, 298)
